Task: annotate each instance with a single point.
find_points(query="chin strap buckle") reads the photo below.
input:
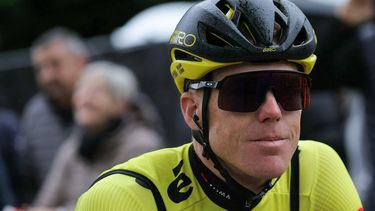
(199, 137)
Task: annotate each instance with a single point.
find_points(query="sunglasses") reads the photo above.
(245, 92)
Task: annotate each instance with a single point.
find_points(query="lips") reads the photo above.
(270, 143)
(269, 139)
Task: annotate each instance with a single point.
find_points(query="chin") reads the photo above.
(274, 173)
(270, 169)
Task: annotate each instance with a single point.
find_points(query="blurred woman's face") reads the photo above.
(94, 105)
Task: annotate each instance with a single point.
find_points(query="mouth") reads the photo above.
(270, 142)
(269, 139)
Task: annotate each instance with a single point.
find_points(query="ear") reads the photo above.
(190, 105)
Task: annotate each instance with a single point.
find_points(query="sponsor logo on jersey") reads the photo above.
(180, 189)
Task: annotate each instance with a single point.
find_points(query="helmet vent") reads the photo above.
(217, 40)
(225, 8)
(245, 29)
(301, 37)
(278, 5)
(181, 55)
(277, 30)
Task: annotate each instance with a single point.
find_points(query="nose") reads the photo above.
(270, 109)
(46, 74)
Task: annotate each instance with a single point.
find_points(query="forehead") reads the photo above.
(54, 47)
(252, 67)
(92, 80)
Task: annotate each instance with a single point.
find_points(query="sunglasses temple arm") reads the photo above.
(204, 84)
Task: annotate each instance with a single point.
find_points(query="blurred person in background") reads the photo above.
(58, 57)
(115, 122)
(358, 16)
(357, 20)
(343, 86)
(9, 156)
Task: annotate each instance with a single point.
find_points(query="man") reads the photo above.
(241, 66)
(58, 57)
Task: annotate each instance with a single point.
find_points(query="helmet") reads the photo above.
(218, 33)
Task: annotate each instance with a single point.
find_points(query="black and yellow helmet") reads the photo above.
(218, 33)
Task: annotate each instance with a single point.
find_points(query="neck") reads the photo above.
(253, 184)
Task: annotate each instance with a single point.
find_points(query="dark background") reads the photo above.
(21, 21)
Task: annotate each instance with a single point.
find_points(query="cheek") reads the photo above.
(226, 131)
(229, 132)
(69, 72)
(69, 77)
(293, 122)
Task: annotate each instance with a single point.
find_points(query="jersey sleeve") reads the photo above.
(120, 192)
(334, 188)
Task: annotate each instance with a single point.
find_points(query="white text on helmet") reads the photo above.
(182, 38)
(269, 50)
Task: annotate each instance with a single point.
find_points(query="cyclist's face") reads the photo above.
(257, 144)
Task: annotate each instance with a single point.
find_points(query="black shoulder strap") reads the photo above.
(140, 179)
(294, 182)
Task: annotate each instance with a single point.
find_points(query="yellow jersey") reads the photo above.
(324, 185)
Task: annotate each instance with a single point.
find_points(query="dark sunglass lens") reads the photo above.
(291, 92)
(240, 93)
(246, 92)
(290, 100)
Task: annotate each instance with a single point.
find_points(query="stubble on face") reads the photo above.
(57, 70)
(252, 149)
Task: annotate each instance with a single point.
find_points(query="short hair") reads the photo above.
(70, 39)
(121, 81)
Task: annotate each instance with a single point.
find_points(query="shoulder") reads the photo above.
(37, 103)
(140, 132)
(157, 166)
(135, 139)
(150, 163)
(325, 179)
(320, 158)
(315, 161)
(69, 148)
(308, 145)
(113, 193)
(37, 108)
(313, 151)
